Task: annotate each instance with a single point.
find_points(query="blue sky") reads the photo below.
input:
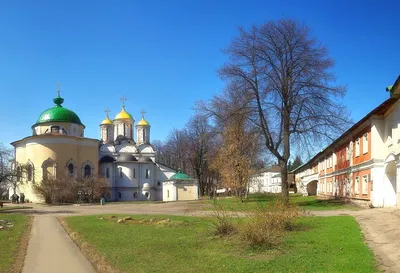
(163, 55)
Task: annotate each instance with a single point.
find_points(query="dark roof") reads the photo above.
(380, 110)
(106, 159)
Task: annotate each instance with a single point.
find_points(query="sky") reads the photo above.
(163, 56)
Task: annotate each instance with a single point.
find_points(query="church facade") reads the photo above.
(58, 147)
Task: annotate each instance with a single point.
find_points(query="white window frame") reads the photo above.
(365, 184)
(357, 185)
(365, 143)
(348, 152)
(358, 147)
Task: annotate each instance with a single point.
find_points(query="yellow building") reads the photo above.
(57, 147)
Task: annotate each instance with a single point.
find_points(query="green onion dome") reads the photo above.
(180, 176)
(58, 114)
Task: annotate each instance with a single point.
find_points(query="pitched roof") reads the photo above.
(380, 110)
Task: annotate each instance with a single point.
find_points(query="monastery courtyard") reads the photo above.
(377, 225)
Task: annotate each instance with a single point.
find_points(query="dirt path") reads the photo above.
(51, 250)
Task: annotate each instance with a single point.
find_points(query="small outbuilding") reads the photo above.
(180, 187)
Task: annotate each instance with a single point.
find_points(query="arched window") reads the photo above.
(29, 172)
(71, 169)
(19, 173)
(107, 172)
(147, 173)
(87, 171)
(49, 169)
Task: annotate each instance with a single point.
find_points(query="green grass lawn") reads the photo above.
(255, 200)
(318, 244)
(10, 240)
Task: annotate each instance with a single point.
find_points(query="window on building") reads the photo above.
(87, 171)
(365, 143)
(71, 169)
(358, 147)
(55, 129)
(134, 173)
(365, 184)
(29, 171)
(107, 172)
(348, 152)
(120, 172)
(357, 185)
(119, 195)
(147, 173)
(159, 183)
(19, 174)
(134, 195)
(167, 193)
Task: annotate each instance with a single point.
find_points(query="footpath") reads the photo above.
(51, 250)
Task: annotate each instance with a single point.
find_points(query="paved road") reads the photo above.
(51, 250)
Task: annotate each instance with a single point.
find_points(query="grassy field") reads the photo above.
(11, 258)
(187, 244)
(255, 200)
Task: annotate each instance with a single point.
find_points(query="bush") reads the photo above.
(267, 225)
(67, 190)
(223, 222)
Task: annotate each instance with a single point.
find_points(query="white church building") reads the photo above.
(130, 166)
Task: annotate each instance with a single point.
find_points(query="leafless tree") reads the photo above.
(288, 86)
(11, 174)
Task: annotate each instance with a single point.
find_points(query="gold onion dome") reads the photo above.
(106, 121)
(123, 114)
(143, 122)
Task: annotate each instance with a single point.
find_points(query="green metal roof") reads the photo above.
(58, 114)
(180, 176)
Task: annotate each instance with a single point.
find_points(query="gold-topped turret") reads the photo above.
(143, 122)
(123, 114)
(107, 120)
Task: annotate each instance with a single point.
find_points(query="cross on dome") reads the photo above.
(123, 99)
(58, 89)
(107, 111)
(143, 112)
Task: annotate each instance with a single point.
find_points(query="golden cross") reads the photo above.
(123, 99)
(142, 112)
(58, 89)
(107, 111)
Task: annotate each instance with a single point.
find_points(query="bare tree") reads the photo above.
(286, 77)
(200, 136)
(11, 173)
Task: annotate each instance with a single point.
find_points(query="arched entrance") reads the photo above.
(389, 188)
(312, 187)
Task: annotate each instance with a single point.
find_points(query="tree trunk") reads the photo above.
(285, 188)
(286, 155)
